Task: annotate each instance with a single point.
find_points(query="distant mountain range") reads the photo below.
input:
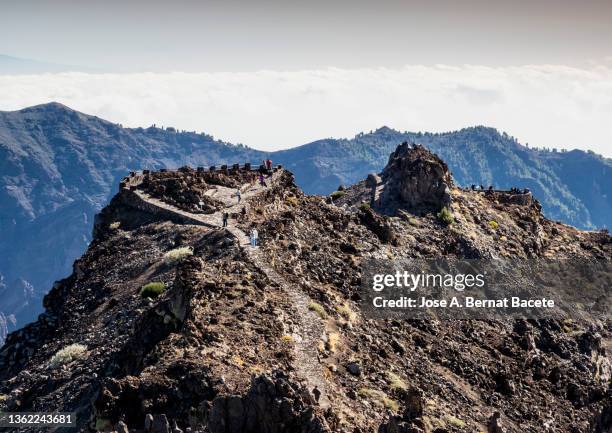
(10, 65)
(59, 167)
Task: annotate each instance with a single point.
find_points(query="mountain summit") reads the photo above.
(172, 320)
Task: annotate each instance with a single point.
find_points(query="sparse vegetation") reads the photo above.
(177, 254)
(237, 361)
(103, 424)
(345, 311)
(364, 206)
(68, 354)
(379, 397)
(337, 194)
(292, 201)
(454, 421)
(152, 290)
(115, 225)
(494, 224)
(332, 341)
(317, 308)
(287, 339)
(445, 216)
(396, 382)
(414, 222)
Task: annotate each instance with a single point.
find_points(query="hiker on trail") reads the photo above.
(490, 187)
(238, 194)
(269, 166)
(254, 237)
(262, 180)
(225, 218)
(316, 393)
(473, 187)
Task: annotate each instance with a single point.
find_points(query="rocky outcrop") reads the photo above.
(272, 405)
(416, 180)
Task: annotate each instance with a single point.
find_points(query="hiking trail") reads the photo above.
(309, 328)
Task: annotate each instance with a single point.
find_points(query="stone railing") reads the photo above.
(135, 179)
(519, 197)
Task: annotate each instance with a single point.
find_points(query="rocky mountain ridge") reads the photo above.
(272, 339)
(59, 167)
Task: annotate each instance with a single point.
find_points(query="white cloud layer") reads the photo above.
(546, 105)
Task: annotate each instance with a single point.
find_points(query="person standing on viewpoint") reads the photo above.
(254, 237)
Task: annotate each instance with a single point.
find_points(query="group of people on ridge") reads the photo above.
(265, 168)
(512, 190)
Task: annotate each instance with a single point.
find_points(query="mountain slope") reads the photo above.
(59, 167)
(244, 339)
(570, 185)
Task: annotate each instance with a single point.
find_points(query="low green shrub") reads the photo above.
(337, 194)
(364, 206)
(445, 216)
(494, 224)
(152, 290)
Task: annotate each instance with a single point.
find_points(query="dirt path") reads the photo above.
(308, 329)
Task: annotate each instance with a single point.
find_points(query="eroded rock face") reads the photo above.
(273, 404)
(415, 179)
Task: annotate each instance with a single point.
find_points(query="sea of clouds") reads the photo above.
(545, 105)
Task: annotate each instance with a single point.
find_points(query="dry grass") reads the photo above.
(287, 339)
(237, 361)
(292, 201)
(454, 421)
(379, 398)
(114, 225)
(318, 309)
(256, 369)
(68, 354)
(345, 311)
(332, 341)
(177, 254)
(396, 382)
